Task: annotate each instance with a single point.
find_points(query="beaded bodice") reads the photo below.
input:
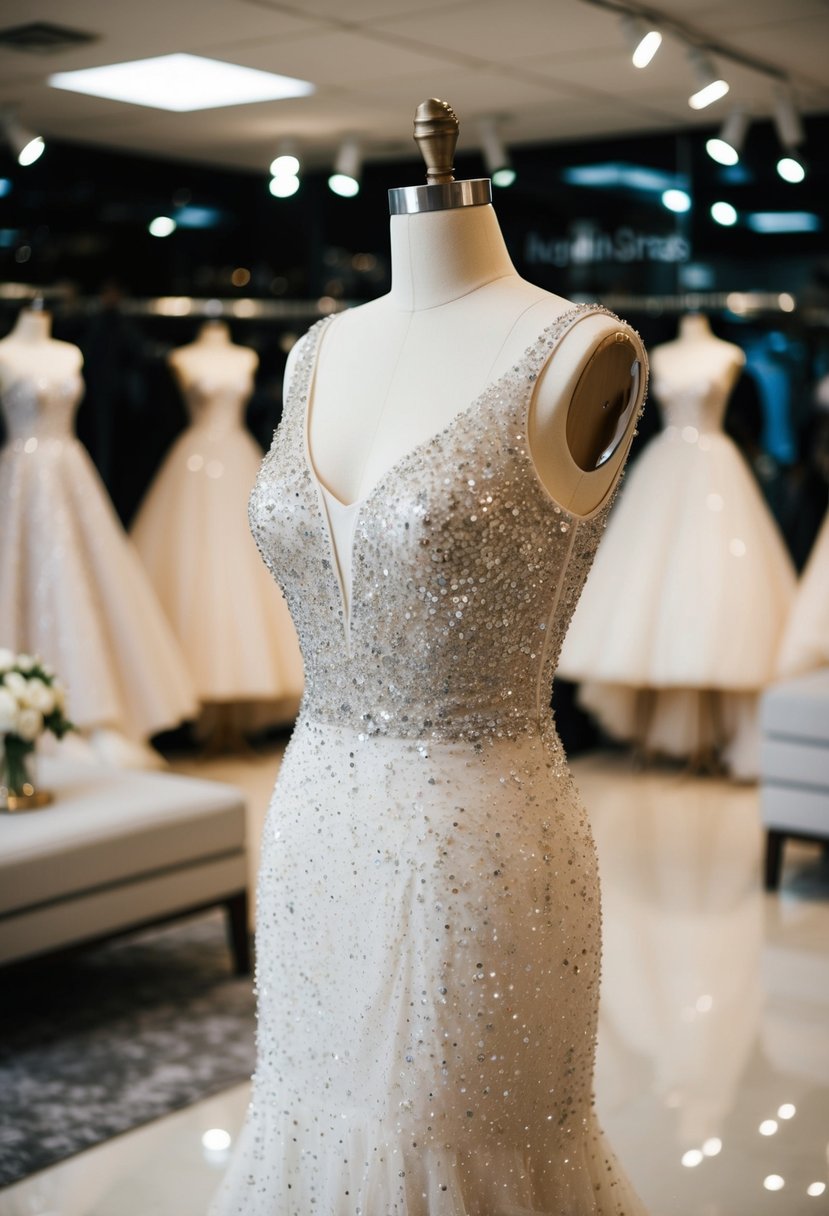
(42, 407)
(463, 578)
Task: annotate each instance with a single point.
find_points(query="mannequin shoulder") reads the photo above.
(599, 349)
(67, 351)
(51, 357)
(583, 415)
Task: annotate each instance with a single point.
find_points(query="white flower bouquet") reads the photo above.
(32, 701)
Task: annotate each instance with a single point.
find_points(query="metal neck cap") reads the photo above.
(407, 200)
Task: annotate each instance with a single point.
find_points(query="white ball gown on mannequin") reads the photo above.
(72, 587)
(678, 629)
(193, 535)
(805, 645)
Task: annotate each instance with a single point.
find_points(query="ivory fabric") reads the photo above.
(232, 623)
(428, 912)
(72, 587)
(682, 616)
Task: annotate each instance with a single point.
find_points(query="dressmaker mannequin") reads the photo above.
(396, 371)
(697, 352)
(673, 640)
(31, 350)
(425, 764)
(212, 356)
(71, 586)
(192, 532)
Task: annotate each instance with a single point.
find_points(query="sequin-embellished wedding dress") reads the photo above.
(192, 532)
(72, 587)
(678, 629)
(428, 913)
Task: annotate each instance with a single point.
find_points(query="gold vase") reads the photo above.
(18, 788)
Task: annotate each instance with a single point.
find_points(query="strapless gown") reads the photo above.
(72, 587)
(682, 616)
(428, 932)
(192, 532)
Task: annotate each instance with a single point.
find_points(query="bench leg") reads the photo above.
(236, 910)
(774, 858)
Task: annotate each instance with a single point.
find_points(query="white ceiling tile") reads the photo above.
(358, 11)
(718, 18)
(800, 47)
(146, 28)
(340, 58)
(471, 94)
(490, 29)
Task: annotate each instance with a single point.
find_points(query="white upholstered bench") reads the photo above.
(116, 851)
(794, 766)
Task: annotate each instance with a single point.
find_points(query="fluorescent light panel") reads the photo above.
(181, 83)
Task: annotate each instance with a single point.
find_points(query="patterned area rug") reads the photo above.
(102, 1041)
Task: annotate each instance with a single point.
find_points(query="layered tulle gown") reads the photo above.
(192, 532)
(805, 645)
(72, 587)
(680, 623)
(428, 924)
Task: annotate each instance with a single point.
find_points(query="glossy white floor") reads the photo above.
(713, 1070)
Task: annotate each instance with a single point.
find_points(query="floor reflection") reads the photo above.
(715, 1001)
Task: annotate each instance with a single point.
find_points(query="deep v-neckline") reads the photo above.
(561, 324)
(542, 347)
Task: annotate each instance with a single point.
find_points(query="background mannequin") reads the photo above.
(193, 536)
(676, 634)
(71, 587)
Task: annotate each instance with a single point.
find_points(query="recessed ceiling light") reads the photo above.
(181, 82)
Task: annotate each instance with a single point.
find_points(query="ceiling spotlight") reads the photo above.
(345, 180)
(676, 200)
(791, 169)
(644, 42)
(26, 145)
(283, 185)
(284, 172)
(790, 133)
(285, 165)
(787, 120)
(710, 86)
(726, 147)
(286, 162)
(723, 213)
(162, 225)
(496, 157)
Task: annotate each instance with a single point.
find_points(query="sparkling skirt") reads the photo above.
(428, 944)
(681, 617)
(192, 532)
(73, 590)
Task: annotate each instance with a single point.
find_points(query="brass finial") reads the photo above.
(436, 134)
